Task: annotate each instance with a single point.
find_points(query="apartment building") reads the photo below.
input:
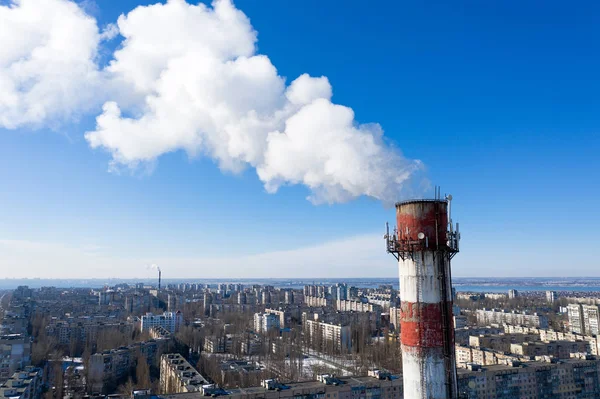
(15, 353)
(218, 344)
(24, 384)
(265, 322)
(251, 345)
(487, 317)
(551, 296)
(358, 306)
(177, 375)
(84, 329)
(157, 332)
(171, 321)
(575, 314)
(318, 301)
(395, 318)
(547, 335)
(461, 335)
(241, 373)
(573, 378)
(282, 314)
(334, 336)
(115, 364)
(460, 321)
(466, 355)
(325, 387)
(500, 342)
(556, 349)
(590, 319)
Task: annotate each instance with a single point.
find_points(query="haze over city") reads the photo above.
(138, 142)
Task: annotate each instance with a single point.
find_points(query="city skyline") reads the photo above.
(467, 97)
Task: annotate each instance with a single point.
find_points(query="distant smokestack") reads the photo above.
(159, 279)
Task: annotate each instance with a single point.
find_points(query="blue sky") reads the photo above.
(498, 100)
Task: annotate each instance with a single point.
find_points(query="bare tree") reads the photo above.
(142, 373)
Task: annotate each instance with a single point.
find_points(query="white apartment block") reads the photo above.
(171, 321)
(590, 319)
(551, 296)
(177, 375)
(358, 306)
(15, 353)
(487, 317)
(331, 335)
(575, 313)
(264, 322)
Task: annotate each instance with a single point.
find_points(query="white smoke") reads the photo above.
(190, 79)
(153, 267)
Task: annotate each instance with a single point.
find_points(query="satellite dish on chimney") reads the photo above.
(421, 236)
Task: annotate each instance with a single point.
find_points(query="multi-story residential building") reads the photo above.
(460, 321)
(264, 322)
(115, 364)
(241, 373)
(575, 378)
(575, 314)
(175, 302)
(592, 343)
(252, 345)
(494, 295)
(84, 329)
(487, 317)
(177, 375)
(15, 353)
(334, 336)
(395, 318)
(466, 355)
(289, 297)
(357, 306)
(265, 297)
(500, 342)
(221, 344)
(551, 296)
(283, 315)
(556, 349)
(157, 332)
(137, 303)
(384, 386)
(512, 294)
(24, 384)
(317, 301)
(341, 291)
(590, 319)
(13, 324)
(172, 321)
(461, 335)
(214, 309)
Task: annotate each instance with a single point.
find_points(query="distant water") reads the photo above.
(524, 288)
(472, 284)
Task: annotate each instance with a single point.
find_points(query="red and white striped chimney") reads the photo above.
(424, 242)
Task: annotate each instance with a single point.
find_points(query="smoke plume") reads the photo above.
(153, 267)
(188, 77)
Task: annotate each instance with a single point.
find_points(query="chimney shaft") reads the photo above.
(424, 244)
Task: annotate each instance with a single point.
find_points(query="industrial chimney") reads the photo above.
(424, 242)
(159, 279)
